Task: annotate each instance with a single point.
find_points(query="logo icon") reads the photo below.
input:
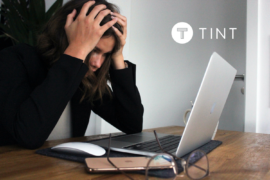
(182, 32)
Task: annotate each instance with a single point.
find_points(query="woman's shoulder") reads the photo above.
(21, 58)
(19, 50)
(23, 53)
(22, 48)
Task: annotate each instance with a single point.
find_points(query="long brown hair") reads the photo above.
(52, 42)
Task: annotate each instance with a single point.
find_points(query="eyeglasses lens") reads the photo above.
(162, 161)
(197, 169)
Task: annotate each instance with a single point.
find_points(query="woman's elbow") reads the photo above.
(138, 125)
(138, 129)
(140, 120)
(30, 142)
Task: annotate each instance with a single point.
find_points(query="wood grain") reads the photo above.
(241, 156)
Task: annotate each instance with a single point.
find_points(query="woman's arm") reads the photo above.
(29, 113)
(125, 110)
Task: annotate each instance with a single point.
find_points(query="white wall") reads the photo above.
(258, 62)
(169, 74)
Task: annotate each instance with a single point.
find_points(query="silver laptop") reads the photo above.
(203, 119)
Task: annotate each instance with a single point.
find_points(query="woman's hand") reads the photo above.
(85, 32)
(117, 57)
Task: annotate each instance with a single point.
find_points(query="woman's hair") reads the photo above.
(52, 42)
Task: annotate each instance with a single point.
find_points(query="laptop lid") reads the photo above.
(208, 105)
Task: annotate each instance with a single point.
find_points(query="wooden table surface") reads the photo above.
(241, 156)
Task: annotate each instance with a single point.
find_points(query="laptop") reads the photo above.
(202, 121)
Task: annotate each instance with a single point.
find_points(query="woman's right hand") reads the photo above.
(84, 32)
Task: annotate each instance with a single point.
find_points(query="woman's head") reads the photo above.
(53, 41)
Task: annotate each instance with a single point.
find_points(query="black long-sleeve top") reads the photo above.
(32, 98)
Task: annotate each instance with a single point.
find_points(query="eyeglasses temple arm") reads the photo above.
(163, 149)
(199, 167)
(108, 155)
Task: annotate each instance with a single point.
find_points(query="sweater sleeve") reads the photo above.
(29, 114)
(124, 110)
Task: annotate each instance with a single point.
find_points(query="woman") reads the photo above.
(79, 50)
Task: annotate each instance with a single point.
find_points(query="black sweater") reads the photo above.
(33, 98)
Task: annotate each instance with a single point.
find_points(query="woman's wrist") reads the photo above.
(76, 52)
(118, 62)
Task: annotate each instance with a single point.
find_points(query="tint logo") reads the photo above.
(182, 32)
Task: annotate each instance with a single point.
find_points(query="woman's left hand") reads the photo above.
(117, 57)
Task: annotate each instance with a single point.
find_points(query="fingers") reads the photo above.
(122, 21)
(96, 10)
(101, 15)
(70, 18)
(123, 25)
(117, 31)
(109, 24)
(119, 16)
(85, 8)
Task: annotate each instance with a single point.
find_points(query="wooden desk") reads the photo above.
(241, 156)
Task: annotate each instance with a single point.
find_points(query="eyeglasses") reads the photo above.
(196, 166)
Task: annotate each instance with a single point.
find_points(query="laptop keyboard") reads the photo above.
(168, 143)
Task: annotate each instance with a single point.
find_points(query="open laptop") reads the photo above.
(203, 119)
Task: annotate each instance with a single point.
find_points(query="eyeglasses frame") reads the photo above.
(184, 163)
